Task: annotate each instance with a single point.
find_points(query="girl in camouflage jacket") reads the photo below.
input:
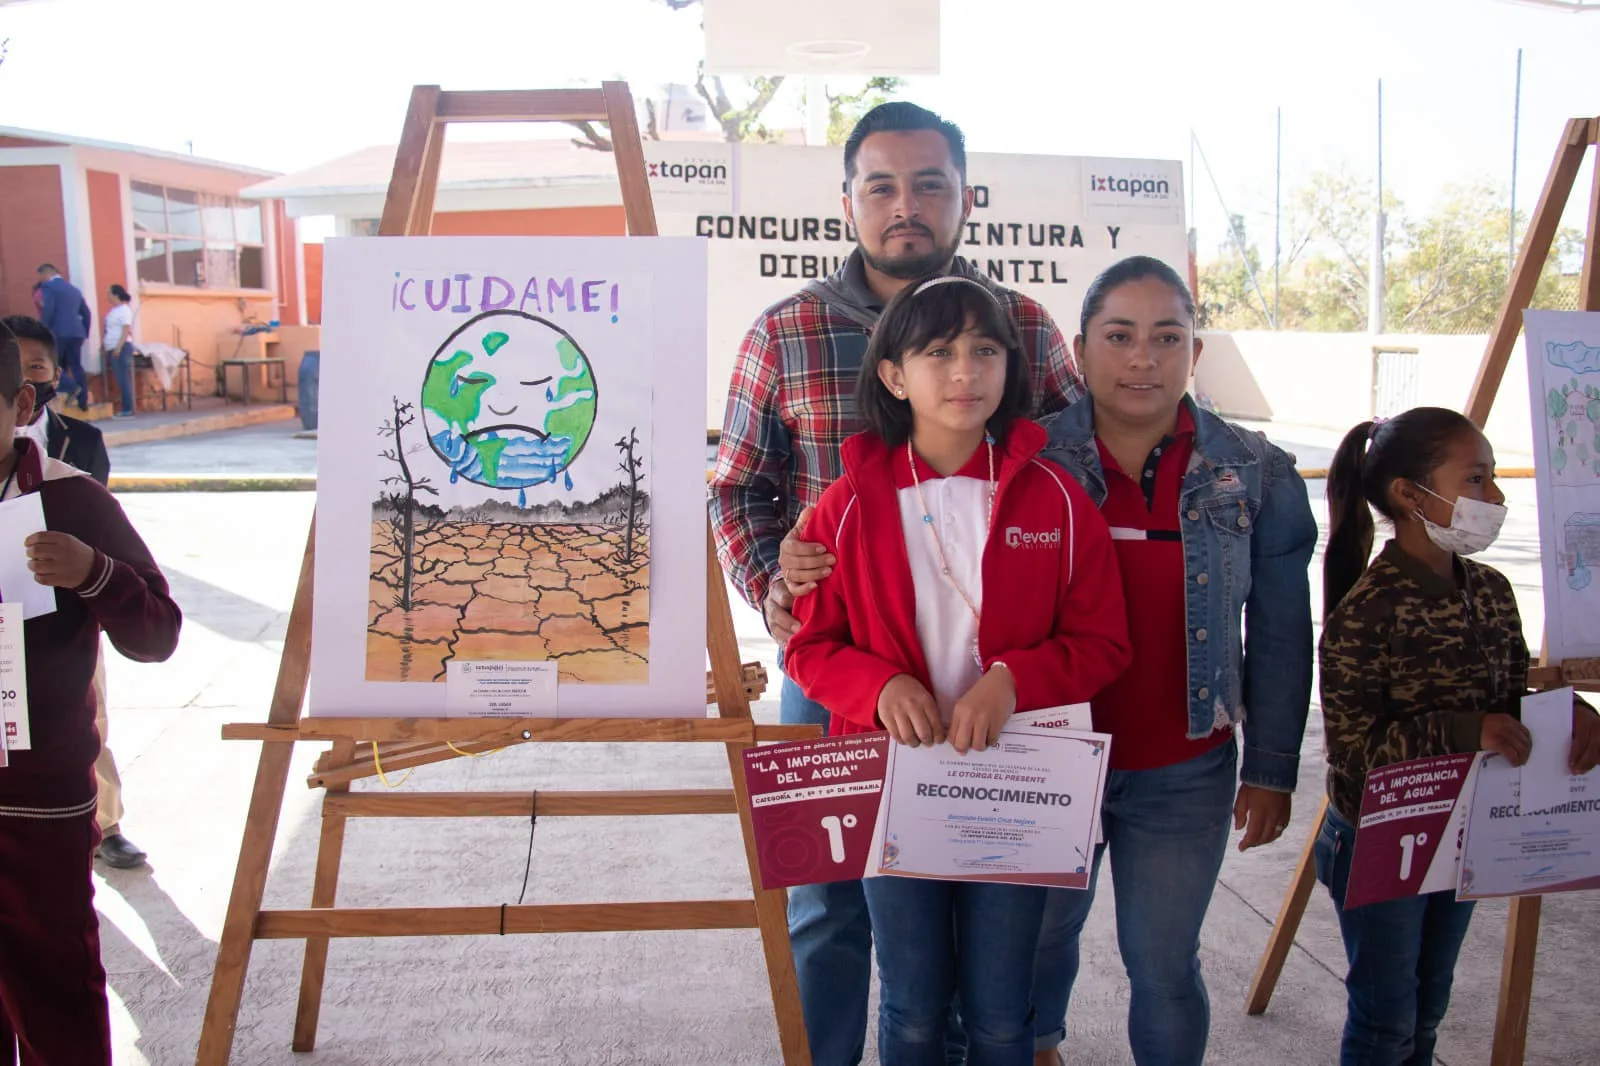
(1422, 654)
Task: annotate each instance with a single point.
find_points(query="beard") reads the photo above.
(910, 266)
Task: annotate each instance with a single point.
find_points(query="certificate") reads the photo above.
(1408, 842)
(13, 683)
(1508, 852)
(501, 689)
(1024, 811)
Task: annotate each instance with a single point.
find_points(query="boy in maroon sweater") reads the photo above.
(52, 987)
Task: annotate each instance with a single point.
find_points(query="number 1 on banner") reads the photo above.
(1408, 846)
(835, 826)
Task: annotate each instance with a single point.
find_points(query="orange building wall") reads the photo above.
(287, 285)
(33, 230)
(606, 221)
(105, 232)
(204, 325)
(314, 283)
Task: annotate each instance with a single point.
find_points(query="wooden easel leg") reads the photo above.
(772, 917)
(324, 891)
(1288, 923)
(260, 829)
(1516, 981)
(249, 886)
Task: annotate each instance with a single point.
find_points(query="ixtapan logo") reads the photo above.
(1134, 187)
(1017, 537)
(702, 172)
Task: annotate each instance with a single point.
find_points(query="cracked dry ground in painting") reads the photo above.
(512, 592)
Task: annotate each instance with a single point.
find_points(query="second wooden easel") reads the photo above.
(1522, 933)
(407, 742)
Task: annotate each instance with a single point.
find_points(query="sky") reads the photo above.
(297, 82)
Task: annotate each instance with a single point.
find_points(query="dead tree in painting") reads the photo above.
(403, 500)
(630, 465)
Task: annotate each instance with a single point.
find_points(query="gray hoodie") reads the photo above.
(846, 291)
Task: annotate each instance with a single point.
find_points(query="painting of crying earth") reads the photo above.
(511, 468)
(508, 403)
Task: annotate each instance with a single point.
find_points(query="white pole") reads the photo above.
(1375, 281)
(816, 109)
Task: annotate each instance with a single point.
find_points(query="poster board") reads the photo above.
(773, 217)
(1563, 351)
(518, 475)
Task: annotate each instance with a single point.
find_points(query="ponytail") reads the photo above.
(1372, 457)
(1350, 528)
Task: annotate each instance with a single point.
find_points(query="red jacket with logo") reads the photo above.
(1052, 595)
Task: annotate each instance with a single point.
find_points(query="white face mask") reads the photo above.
(1474, 524)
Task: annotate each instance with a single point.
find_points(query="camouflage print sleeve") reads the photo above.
(1518, 644)
(1367, 677)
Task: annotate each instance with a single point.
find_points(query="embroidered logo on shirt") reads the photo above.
(1016, 537)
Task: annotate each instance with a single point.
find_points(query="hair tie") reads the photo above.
(1378, 420)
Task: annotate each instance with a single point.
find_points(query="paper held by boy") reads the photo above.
(1024, 811)
(21, 598)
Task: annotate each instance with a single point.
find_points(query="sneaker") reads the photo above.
(123, 414)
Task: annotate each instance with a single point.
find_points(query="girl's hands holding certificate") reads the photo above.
(908, 712)
(981, 714)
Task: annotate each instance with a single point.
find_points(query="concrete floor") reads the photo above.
(662, 998)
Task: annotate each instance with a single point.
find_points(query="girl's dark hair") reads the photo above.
(1370, 458)
(918, 317)
(1133, 268)
(120, 293)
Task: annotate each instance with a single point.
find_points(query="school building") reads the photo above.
(202, 263)
(518, 188)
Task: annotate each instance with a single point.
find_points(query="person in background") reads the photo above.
(64, 310)
(53, 1006)
(791, 404)
(81, 445)
(1422, 654)
(118, 348)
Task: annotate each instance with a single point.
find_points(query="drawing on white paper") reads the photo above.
(1563, 351)
(1580, 549)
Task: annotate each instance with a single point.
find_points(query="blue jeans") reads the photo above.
(122, 370)
(940, 938)
(74, 382)
(1167, 830)
(1402, 956)
(830, 933)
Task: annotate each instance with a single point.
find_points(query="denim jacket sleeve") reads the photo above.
(1278, 650)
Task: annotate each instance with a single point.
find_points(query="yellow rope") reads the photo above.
(378, 765)
(472, 754)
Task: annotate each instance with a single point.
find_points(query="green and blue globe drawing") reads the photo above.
(508, 402)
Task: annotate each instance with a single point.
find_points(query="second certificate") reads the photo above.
(1024, 811)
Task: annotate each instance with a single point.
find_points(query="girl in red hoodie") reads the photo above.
(973, 579)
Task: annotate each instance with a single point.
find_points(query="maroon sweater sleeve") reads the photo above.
(126, 594)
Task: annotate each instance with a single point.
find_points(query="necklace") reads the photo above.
(938, 545)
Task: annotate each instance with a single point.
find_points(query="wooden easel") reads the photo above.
(1522, 934)
(407, 742)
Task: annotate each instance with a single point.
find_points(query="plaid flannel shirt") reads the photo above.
(792, 403)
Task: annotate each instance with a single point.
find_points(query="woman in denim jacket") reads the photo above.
(1213, 530)
(1214, 536)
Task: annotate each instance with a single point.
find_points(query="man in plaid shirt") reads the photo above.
(791, 404)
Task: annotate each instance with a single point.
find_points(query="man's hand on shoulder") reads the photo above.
(803, 562)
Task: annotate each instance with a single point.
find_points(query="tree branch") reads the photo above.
(593, 138)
